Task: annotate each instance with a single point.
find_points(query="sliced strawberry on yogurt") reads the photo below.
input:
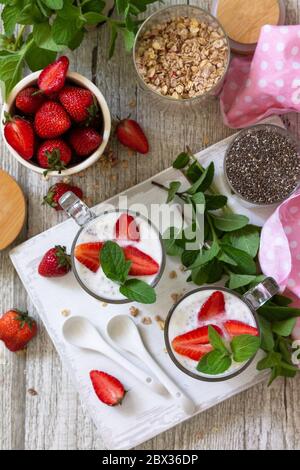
(88, 254)
(194, 343)
(127, 228)
(237, 328)
(214, 305)
(142, 264)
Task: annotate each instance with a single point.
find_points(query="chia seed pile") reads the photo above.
(263, 165)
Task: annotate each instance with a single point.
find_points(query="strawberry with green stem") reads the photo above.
(54, 155)
(17, 328)
(55, 262)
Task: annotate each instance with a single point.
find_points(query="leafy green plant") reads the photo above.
(48, 27)
(229, 252)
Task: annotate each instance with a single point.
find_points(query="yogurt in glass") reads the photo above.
(103, 228)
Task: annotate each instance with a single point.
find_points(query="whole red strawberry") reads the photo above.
(52, 78)
(17, 329)
(130, 134)
(108, 389)
(79, 102)
(55, 262)
(19, 135)
(58, 190)
(51, 120)
(54, 155)
(29, 100)
(85, 141)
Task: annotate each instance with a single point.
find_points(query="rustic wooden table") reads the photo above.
(260, 418)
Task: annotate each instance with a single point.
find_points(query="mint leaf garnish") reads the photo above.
(113, 262)
(138, 291)
(216, 340)
(214, 363)
(244, 347)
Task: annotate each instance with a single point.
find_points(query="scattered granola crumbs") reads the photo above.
(65, 312)
(146, 320)
(104, 304)
(182, 57)
(134, 311)
(22, 352)
(32, 392)
(125, 164)
(182, 268)
(89, 201)
(160, 322)
(205, 140)
(66, 179)
(130, 152)
(172, 275)
(165, 350)
(45, 177)
(175, 297)
(108, 159)
(132, 104)
(113, 177)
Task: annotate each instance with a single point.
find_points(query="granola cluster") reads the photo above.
(182, 57)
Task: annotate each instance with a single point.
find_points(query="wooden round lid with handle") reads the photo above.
(243, 19)
(12, 210)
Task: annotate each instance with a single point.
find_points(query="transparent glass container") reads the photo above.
(166, 14)
(248, 202)
(86, 220)
(254, 298)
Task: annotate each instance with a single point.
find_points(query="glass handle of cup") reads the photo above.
(76, 208)
(260, 294)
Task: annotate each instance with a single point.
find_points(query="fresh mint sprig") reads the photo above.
(241, 349)
(230, 252)
(116, 268)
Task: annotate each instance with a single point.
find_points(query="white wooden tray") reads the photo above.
(143, 414)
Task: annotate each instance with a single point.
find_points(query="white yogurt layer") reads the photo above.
(103, 229)
(185, 318)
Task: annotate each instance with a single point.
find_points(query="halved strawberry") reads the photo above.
(127, 229)
(52, 78)
(237, 328)
(193, 351)
(197, 336)
(88, 254)
(142, 264)
(107, 388)
(214, 305)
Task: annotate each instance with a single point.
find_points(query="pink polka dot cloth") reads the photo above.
(279, 254)
(268, 83)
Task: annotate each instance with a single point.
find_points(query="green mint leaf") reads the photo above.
(121, 6)
(272, 359)
(206, 255)
(226, 259)
(9, 17)
(205, 180)
(54, 4)
(267, 337)
(284, 327)
(216, 341)
(275, 313)
(38, 58)
(42, 35)
(244, 347)
(281, 300)
(11, 64)
(244, 262)
(214, 271)
(199, 199)
(215, 202)
(92, 17)
(173, 188)
(181, 161)
(188, 257)
(214, 363)
(129, 38)
(138, 291)
(229, 222)
(113, 40)
(246, 239)
(113, 262)
(194, 172)
(240, 280)
(170, 237)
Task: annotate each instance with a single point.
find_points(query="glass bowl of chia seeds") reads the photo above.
(181, 55)
(262, 165)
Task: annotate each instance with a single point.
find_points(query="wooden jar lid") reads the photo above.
(243, 19)
(12, 210)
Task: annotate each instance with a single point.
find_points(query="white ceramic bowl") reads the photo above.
(77, 79)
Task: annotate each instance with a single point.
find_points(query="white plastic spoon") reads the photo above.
(80, 332)
(124, 333)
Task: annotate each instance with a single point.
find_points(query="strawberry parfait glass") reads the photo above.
(139, 240)
(212, 333)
